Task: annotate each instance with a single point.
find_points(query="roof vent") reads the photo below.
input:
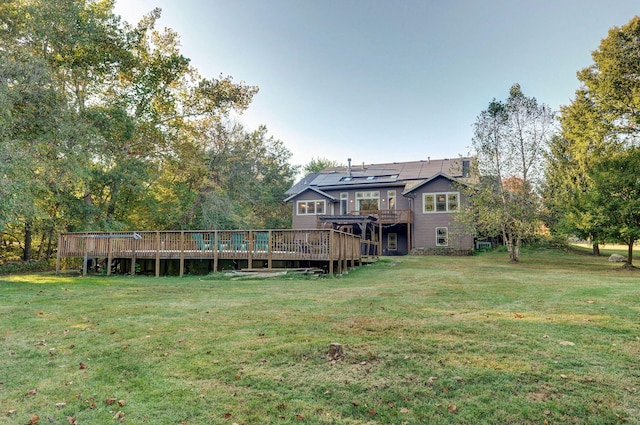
(349, 166)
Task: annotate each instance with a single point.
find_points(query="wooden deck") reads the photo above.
(332, 248)
(388, 216)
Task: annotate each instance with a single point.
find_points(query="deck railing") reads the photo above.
(269, 245)
(388, 216)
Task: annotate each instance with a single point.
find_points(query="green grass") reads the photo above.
(435, 340)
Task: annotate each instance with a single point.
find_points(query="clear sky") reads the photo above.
(386, 80)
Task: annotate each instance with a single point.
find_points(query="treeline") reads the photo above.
(104, 126)
(571, 174)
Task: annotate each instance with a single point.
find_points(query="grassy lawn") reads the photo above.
(437, 340)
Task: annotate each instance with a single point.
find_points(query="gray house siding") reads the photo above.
(309, 221)
(402, 203)
(423, 228)
(426, 224)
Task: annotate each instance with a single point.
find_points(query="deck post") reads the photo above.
(109, 256)
(58, 254)
(331, 239)
(84, 263)
(250, 249)
(133, 259)
(269, 251)
(158, 254)
(345, 252)
(214, 246)
(181, 253)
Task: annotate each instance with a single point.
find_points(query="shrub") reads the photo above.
(27, 266)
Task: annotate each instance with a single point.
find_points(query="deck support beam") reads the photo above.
(181, 253)
(158, 254)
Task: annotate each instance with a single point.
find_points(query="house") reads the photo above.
(399, 206)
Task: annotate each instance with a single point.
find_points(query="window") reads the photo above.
(310, 207)
(392, 241)
(344, 202)
(391, 195)
(367, 201)
(440, 202)
(442, 236)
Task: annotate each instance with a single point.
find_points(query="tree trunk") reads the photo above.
(514, 255)
(26, 254)
(596, 249)
(49, 250)
(630, 254)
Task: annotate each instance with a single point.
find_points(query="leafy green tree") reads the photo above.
(318, 164)
(509, 141)
(615, 197)
(571, 157)
(601, 121)
(105, 125)
(244, 183)
(612, 82)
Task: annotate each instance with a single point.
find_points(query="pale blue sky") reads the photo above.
(381, 80)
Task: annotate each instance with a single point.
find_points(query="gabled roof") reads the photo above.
(410, 188)
(407, 175)
(318, 191)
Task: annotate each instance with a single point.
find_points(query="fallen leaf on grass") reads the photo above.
(518, 316)
(11, 412)
(72, 420)
(83, 365)
(34, 420)
(452, 408)
(404, 410)
(569, 343)
(42, 343)
(121, 403)
(32, 392)
(590, 301)
(119, 416)
(109, 401)
(60, 405)
(299, 416)
(563, 376)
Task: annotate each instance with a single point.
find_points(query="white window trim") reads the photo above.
(435, 194)
(344, 197)
(391, 194)
(446, 229)
(367, 195)
(312, 201)
(392, 241)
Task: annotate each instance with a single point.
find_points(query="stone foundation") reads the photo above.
(451, 252)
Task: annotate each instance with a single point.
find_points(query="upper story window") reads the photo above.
(344, 203)
(391, 196)
(316, 207)
(440, 202)
(366, 201)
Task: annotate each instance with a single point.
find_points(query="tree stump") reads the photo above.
(335, 351)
